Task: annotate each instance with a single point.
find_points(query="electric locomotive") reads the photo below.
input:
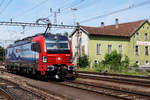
(44, 54)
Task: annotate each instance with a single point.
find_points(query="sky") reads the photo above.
(88, 13)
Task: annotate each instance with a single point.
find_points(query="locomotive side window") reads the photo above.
(36, 47)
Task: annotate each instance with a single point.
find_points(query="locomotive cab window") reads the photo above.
(57, 46)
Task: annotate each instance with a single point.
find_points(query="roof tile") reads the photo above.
(125, 29)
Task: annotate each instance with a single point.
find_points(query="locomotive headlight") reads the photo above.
(59, 58)
(44, 59)
(50, 68)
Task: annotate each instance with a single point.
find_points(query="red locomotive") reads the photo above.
(44, 54)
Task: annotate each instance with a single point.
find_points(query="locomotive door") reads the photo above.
(34, 61)
(34, 49)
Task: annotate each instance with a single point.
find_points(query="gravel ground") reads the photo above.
(75, 94)
(119, 85)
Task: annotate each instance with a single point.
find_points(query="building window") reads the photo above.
(96, 62)
(146, 36)
(98, 49)
(136, 50)
(120, 49)
(147, 27)
(109, 49)
(146, 51)
(137, 62)
(147, 62)
(137, 36)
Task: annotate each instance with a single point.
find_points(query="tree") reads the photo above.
(83, 61)
(1, 53)
(66, 34)
(114, 60)
(59, 34)
(125, 62)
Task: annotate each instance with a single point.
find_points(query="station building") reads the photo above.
(131, 39)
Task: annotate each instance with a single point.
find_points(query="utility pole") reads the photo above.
(23, 27)
(130, 4)
(77, 47)
(55, 14)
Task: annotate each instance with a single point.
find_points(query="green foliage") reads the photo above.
(135, 65)
(113, 57)
(137, 73)
(1, 53)
(113, 64)
(113, 60)
(1, 58)
(58, 34)
(83, 61)
(125, 62)
(66, 34)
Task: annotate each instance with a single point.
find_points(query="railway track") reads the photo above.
(106, 90)
(125, 79)
(4, 95)
(26, 84)
(117, 75)
(12, 91)
(119, 92)
(109, 91)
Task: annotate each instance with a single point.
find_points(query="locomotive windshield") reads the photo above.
(57, 46)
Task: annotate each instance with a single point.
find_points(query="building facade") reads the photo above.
(131, 39)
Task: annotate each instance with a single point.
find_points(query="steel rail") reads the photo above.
(5, 95)
(118, 80)
(110, 91)
(10, 87)
(121, 75)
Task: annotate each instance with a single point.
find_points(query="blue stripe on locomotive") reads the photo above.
(22, 53)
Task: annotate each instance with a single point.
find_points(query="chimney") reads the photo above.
(102, 24)
(117, 23)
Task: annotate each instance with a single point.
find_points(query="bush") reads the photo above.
(125, 63)
(113, 57)
(135, 65)
(114, 60)
(1, 53)
(83, 61)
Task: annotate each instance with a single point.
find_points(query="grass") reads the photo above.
(87, 69)
(136, 73)
(123, 72)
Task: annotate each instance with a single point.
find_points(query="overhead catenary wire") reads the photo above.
(9, 2)
(30, 9)
(74, 4)
(117, 11)
(65, 3)
(77, 6)
(68, 9)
